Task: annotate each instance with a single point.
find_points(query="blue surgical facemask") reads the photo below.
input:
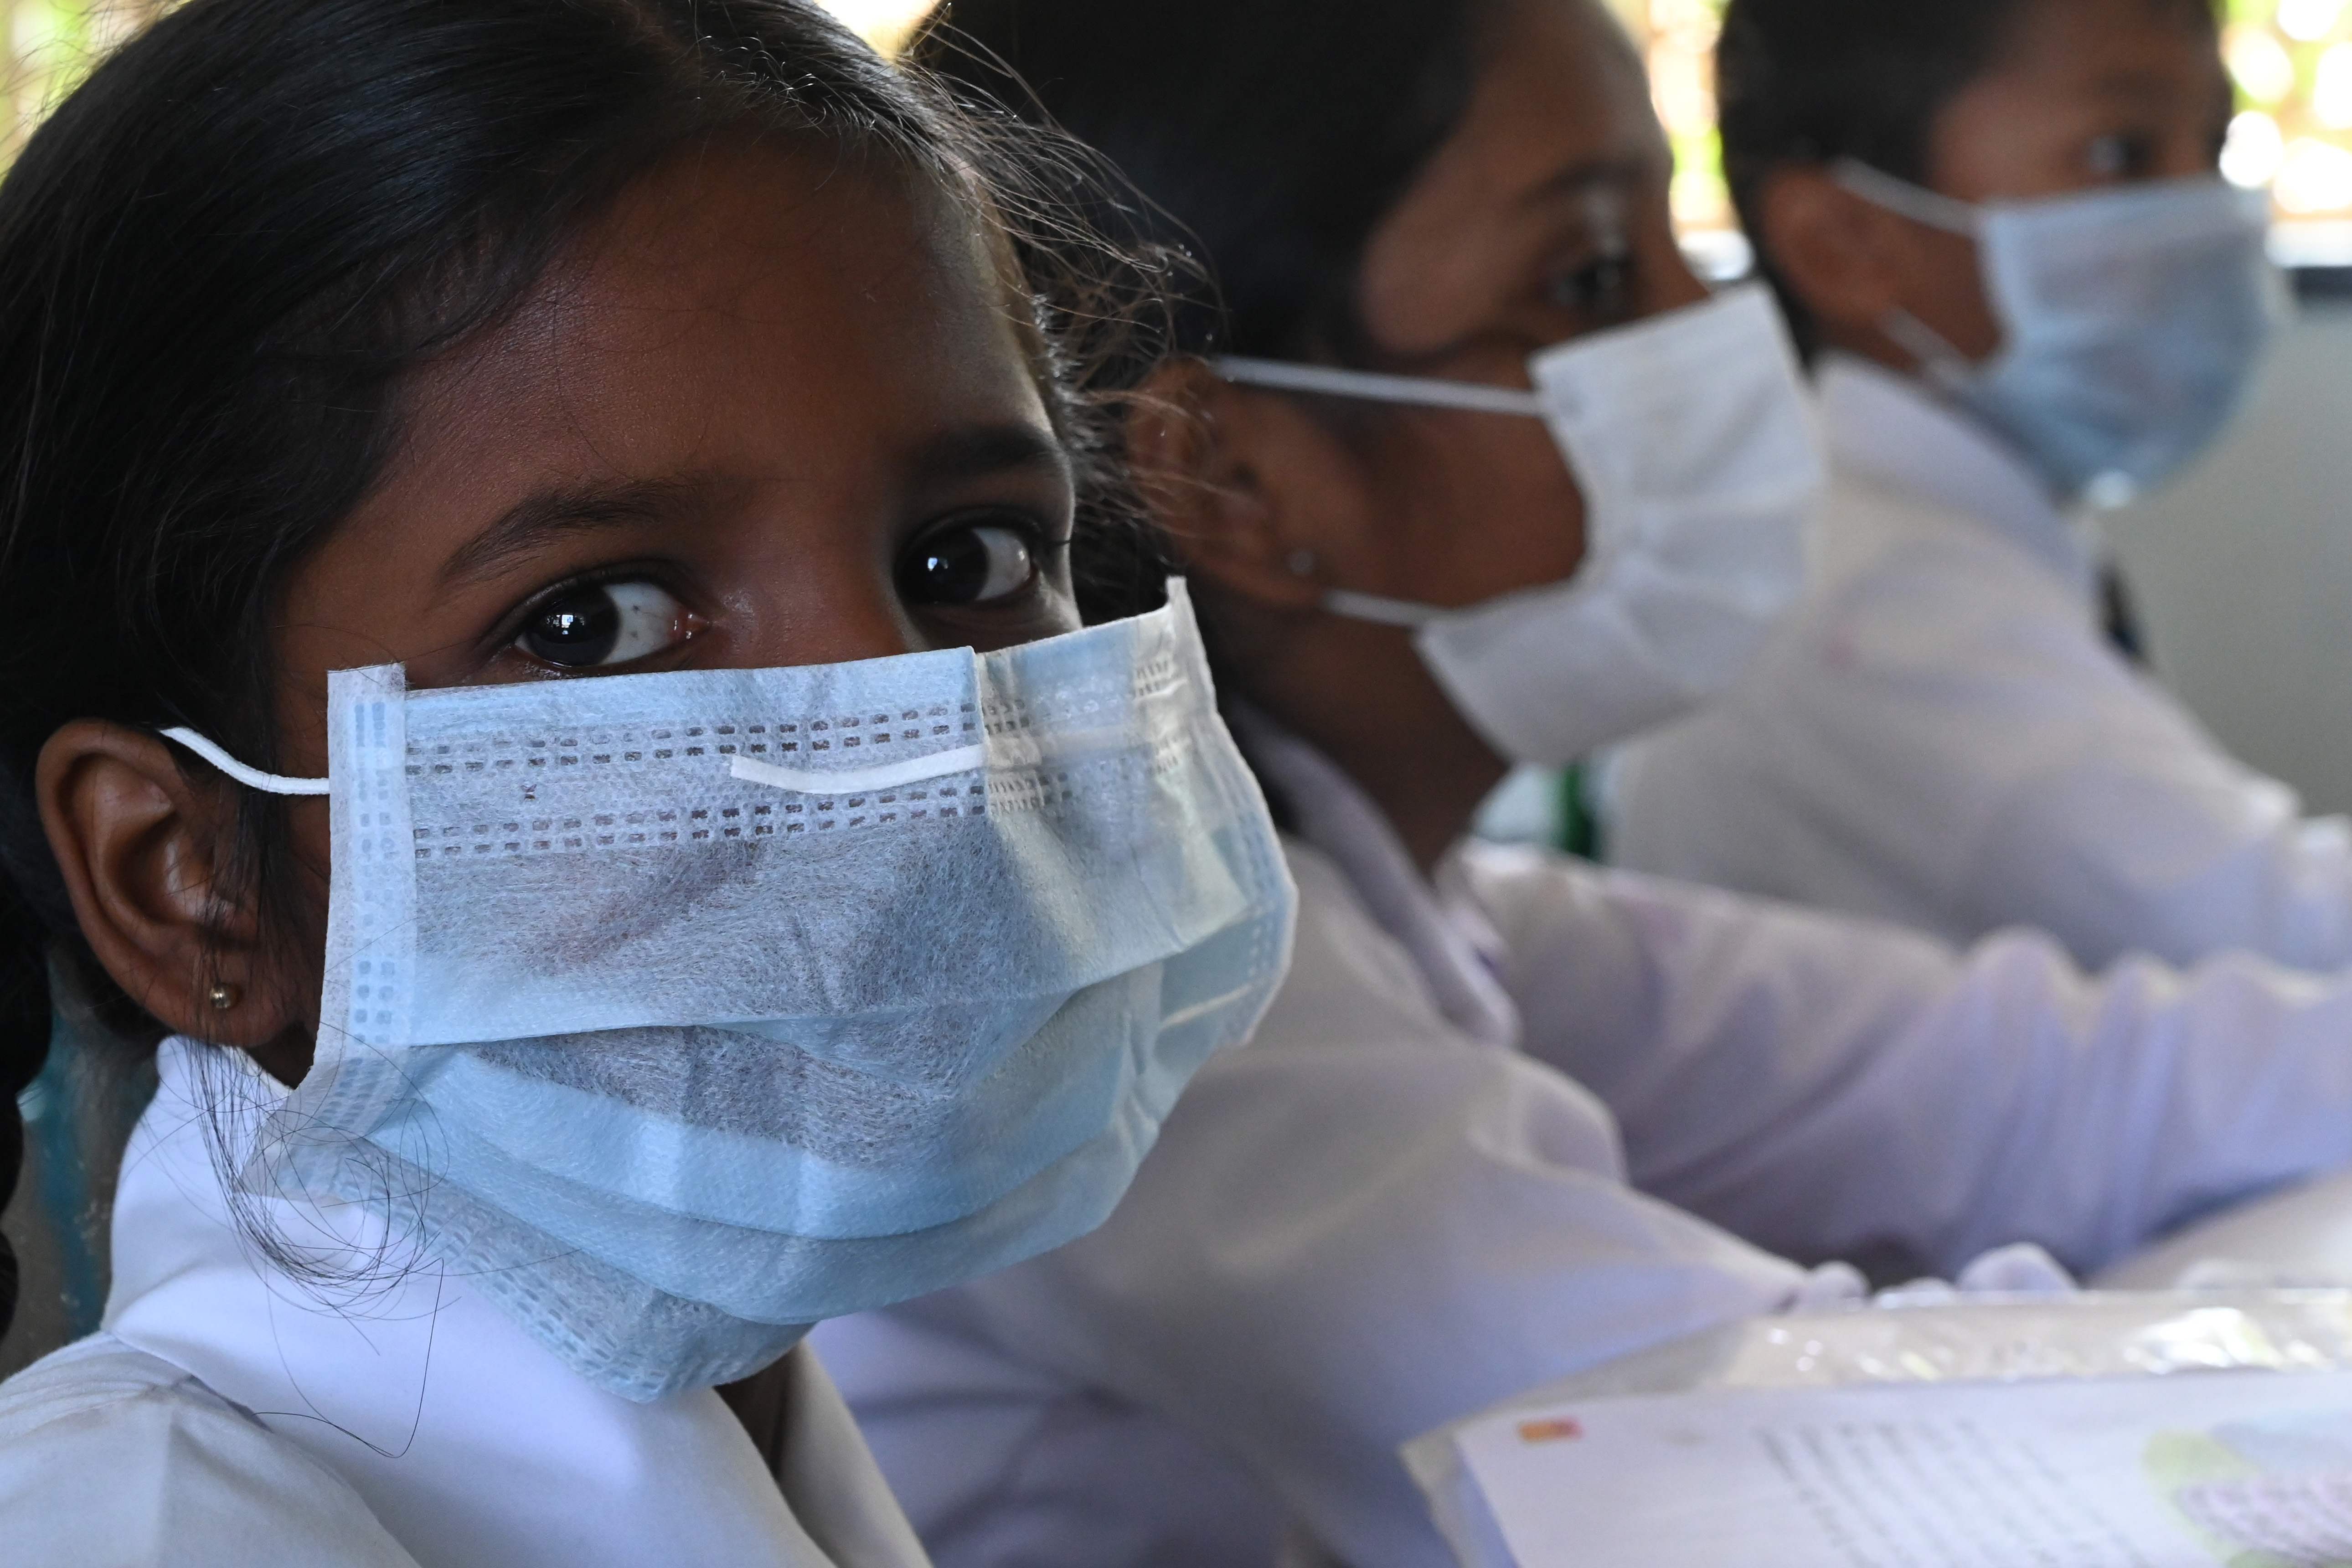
(2133, 320)
(676, 1012)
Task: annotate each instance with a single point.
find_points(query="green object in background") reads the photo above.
(1580, 827)
(1553, 808)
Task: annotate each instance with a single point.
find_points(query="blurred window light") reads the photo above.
(1718, 255)
(2256, 147)
(2260, 64)
(2331, 88)
(2314, 177)
(885, 23)
(1677, 41)
(2308, 21)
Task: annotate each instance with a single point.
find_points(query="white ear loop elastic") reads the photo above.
(1417, 391)
(252, 778)
(1380, 611)
(1333, 382)
(1900, 196)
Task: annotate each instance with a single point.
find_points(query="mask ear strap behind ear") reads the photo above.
(1916, 203)
(1421, 392)
(1380, 612)
(1942, 363)
(252, 778)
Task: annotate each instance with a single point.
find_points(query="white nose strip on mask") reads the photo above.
(1690, 436)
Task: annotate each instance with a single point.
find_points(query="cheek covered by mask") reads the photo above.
(679, 1011)
(1691, 439)
(2133, 320)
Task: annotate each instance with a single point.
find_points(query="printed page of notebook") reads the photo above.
(2243, 1470)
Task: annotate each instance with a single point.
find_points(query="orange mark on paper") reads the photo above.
(1556, 1429)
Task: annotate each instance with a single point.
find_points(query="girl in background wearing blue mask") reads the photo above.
(1478, 469)
(543, 660)
(1999, 228)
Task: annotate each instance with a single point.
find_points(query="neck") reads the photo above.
(1870, 343)
(1430, 802)
(1361, 695)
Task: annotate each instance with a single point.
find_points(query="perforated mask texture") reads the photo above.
(684, 1010)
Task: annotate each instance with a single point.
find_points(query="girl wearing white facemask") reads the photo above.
(1495, 1118)
(543, 660)
(2030, 295)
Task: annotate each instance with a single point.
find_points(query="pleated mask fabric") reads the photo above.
(681, 1011)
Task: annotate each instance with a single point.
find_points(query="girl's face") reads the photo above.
(767, 412)
(1543, 217)
(748, 424)
(2083, 94)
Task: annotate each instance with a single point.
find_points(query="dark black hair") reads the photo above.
(221, 255)
(1270, 135)
(1810, 82)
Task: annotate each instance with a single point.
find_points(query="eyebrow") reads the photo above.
(1617, 169)
(981, 450)
(2155, 86)
(564, 512)
(541, 518)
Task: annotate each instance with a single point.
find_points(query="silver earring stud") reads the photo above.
(1302, 564)
(223, 996)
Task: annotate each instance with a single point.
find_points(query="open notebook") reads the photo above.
(2170, 1433)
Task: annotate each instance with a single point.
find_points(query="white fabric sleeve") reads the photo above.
(2154, 840)
(2073, 791)
(1357, 1228)
(1834, 1088)
(119, 1460)
(1946, 740)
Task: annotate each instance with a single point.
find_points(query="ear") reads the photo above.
(143, 853)
(1250, 490)
(1843, 258)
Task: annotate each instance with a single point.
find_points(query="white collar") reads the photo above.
(1452, 943)
(472, 1444)
(1888, 427)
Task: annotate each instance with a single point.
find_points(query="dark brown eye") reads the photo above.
(2122, 155)
(600, 624)
(1601, 286)
(974, 563)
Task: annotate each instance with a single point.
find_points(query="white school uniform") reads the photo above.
(1440, 1173)
(226, 1415)
(1941, 734)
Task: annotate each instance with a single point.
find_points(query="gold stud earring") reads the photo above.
(224, 996)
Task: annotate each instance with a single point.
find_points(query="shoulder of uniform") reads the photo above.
(109, 1455)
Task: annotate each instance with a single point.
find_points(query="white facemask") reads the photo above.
(1691, 439)
(680, 1011)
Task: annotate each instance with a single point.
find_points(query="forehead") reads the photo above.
(1559, 132)
(2110, 43)
(740, 304)
(1559, 86)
